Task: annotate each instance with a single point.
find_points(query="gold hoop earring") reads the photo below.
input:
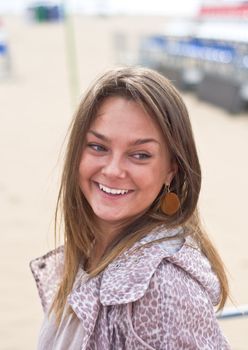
(170, 202)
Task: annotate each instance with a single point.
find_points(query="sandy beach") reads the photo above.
(36, 109)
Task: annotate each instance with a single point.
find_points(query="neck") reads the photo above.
(108, 233)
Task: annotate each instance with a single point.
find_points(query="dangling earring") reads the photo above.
(170, 202)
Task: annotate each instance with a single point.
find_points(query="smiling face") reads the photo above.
(124, 162)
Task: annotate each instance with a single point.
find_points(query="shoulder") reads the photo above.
(178, 303)
(47, 271)
(178, 309)
(170, 292)
(188, 272)
(185, 281)
(191, 266)
(132, 274)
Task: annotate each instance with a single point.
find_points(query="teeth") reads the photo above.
(112, 190)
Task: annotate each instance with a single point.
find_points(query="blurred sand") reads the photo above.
(35, 113)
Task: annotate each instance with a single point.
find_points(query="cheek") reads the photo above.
(86, 164)
(156, 174)
(81, 168)
(84, 168)
(153, 182)
(150, 181)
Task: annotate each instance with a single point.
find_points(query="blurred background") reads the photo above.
(49, 53)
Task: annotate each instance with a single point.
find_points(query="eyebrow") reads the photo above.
(136, 142)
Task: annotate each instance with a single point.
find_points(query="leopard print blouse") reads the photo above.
(160, 296)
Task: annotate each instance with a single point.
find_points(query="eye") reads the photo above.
(96, 147)
(141, 156)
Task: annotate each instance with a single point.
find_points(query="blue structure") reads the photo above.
(4, 55)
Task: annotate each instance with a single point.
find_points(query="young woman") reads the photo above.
(136, 270)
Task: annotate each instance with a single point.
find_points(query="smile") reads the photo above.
(116, 191)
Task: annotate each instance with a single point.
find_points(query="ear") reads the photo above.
(171, 173)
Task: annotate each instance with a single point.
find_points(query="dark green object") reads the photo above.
(41, 13)
(46, 13)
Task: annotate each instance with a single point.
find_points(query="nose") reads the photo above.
(114, 167)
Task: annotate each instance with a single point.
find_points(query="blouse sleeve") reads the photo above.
(176, 312)
(47, 271)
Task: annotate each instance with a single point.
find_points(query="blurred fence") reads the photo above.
(217, 70)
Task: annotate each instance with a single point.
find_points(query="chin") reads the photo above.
(111, 219)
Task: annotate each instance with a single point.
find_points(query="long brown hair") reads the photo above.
(164, 104)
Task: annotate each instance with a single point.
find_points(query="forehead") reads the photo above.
(125, 116)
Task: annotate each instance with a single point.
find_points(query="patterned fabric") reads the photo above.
(160, 296)
(47, 271)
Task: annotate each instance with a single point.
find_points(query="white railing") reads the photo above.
(239, 311)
